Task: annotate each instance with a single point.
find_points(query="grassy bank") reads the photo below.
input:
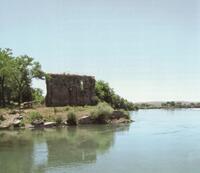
(102, 113)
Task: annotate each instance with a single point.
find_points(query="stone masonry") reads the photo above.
(74, 90)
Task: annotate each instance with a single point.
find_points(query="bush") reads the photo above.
(2, 118)
(102, 112)
(67, 108)
(80, 108)
(22, 123)
(35, 116)
(55, 110)
(106, 94)
(71, 118)
(126, 114)
(37, 95)
(58, 120)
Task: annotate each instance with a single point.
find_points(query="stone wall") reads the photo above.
(72, 90)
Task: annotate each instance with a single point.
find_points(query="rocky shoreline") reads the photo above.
(15, 120)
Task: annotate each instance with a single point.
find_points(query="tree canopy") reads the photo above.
(106, 94)
(16, 74)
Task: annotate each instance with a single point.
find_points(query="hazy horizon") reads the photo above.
(147, 50)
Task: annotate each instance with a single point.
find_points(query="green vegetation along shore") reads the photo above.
(45, 117)
(16, 92)
(16, 75)
(168, 105)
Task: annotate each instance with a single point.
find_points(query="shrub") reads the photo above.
(35, 116)
(126, 114)
(106, 94)
(58, 120)
(55, 110)
(102, 112)
(80, 108)
(49, 118)
(68, 108)
(71, 118)
(22, 123)
(2, 118)
(37, 95)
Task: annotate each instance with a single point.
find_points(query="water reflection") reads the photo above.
(15, 153)
(39, 151)
(158, 142)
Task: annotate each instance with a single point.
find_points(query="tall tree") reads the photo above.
(6, 68)
(104, 92)
(24, 71)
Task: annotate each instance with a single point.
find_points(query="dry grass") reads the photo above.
(51, 113)
(54, 113)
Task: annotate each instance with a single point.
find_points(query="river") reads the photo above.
(159, 141)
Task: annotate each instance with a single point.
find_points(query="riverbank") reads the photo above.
(168, 105)
(48, 117)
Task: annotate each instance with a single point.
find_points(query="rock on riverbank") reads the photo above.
(23, 119)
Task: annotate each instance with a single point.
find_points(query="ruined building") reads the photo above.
(65, 89)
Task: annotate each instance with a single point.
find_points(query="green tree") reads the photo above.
(25, 69)
(116, 101)
(37, 95)
(6, 67)
(106, 94)
(103, 91)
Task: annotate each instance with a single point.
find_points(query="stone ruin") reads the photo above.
(73, 90)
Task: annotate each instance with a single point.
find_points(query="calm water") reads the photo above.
(158, 142)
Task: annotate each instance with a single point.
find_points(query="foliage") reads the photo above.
(25, 70)
(2, 118)
(55, 110)
(107, 94)
(71, 118)
(103, 91)
(22, 123)
(58, 120)
(144, 106)
(126, 114)
(172, 104)
(35, 116)
(102, 112)
(6, 67)
(37, 95)
(67, 108)
(16, 74)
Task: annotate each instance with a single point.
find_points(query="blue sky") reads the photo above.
(148, 50)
